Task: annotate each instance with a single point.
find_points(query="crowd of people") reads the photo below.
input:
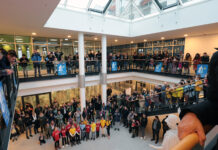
(178, 64)
(67, 123)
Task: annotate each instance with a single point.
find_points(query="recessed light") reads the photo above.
(69, 36)
(96, 38)
(34, 33)
(162, 38)
(145, 40)
(131, 42)
(185, 35)
(66, 39)
(115, 40)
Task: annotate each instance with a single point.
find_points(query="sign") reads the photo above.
(128, 91)
(113, 66)
(4, 106)
(61, 68)
(202, 70)
(158, 67)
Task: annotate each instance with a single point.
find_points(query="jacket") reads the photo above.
(36, 57)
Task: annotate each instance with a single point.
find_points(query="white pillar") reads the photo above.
(117, 11)
(82, 71)
(104, 69)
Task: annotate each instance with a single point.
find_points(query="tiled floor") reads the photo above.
(120, 140)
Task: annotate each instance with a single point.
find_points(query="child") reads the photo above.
(83, 130)
(93, 126)
(97, 128)
(72, 132)
(68, 126)
(87, 131)
(41, 139)
(78, 134)
(64, 137)
(133, 128)
(56, 137)
(108, 123)
(48, 131)
(102, 126)
(13, 133)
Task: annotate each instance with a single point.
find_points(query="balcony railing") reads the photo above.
(10, 88)
(51, 70)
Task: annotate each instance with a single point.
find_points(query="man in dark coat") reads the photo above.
(156, 125)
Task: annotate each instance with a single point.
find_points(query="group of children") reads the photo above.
(72, 134)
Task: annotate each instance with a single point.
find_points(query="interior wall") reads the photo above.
(201, 44)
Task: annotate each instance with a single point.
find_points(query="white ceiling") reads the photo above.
(22, 17)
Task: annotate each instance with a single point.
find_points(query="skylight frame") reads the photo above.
(99, 11)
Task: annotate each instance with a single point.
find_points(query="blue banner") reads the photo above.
(158, 67)
(202, 70)
(113, 66)
(4, 106)
(61, 68)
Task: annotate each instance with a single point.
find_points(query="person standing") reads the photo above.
(108, 124)
(97, 128)
(28, 124)
(36, 58)
(56, 137)
(165, 127)
(23, 64)
(156, 125)
(144, 122)
(93, 128)
(103, 122)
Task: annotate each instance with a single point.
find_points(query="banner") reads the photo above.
(61, 68)
(128, 91)
(4, 106)
(158, 67)
(113, 66)
(202, 70)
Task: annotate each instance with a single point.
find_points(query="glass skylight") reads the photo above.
(99, 5)
(164, 4)
(126, 9)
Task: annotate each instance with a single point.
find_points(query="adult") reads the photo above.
(171, 137)
(5, 61)
(36, 58)
(195, 116)
(23, 64)
(196, 61)
(50, 63)
(58, 54)
(205, 58)
(156, 125)
(143, 124)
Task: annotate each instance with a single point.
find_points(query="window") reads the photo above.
(99, 5)
(165, 4)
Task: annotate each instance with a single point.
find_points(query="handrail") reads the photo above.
(187, 143)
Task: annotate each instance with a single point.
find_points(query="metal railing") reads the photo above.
(10, 85)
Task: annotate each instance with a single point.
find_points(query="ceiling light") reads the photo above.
(185, 35)
(96, 38)
(66, 39)
(53, 40)
(33, 33)
(115, 40)
(162, 38)
(69, 36)
(145, 40)
(131, 42)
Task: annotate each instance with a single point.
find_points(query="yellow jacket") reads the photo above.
(108, 122)
(72, 131)
(102, 123)
(198, 85)
(93, 127)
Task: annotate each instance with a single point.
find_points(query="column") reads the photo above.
(81, 76)
(104, 69)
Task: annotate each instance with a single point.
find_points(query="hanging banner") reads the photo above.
(202, 70)
(61, 68)
(128, 91)
(4, 106)
(113, 66)
(158, 67)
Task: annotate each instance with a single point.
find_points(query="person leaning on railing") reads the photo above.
(6, 60)
(204, 113)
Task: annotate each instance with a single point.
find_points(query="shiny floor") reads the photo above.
(120, 140)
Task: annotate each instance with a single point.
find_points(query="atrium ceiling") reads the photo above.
(26, 16)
